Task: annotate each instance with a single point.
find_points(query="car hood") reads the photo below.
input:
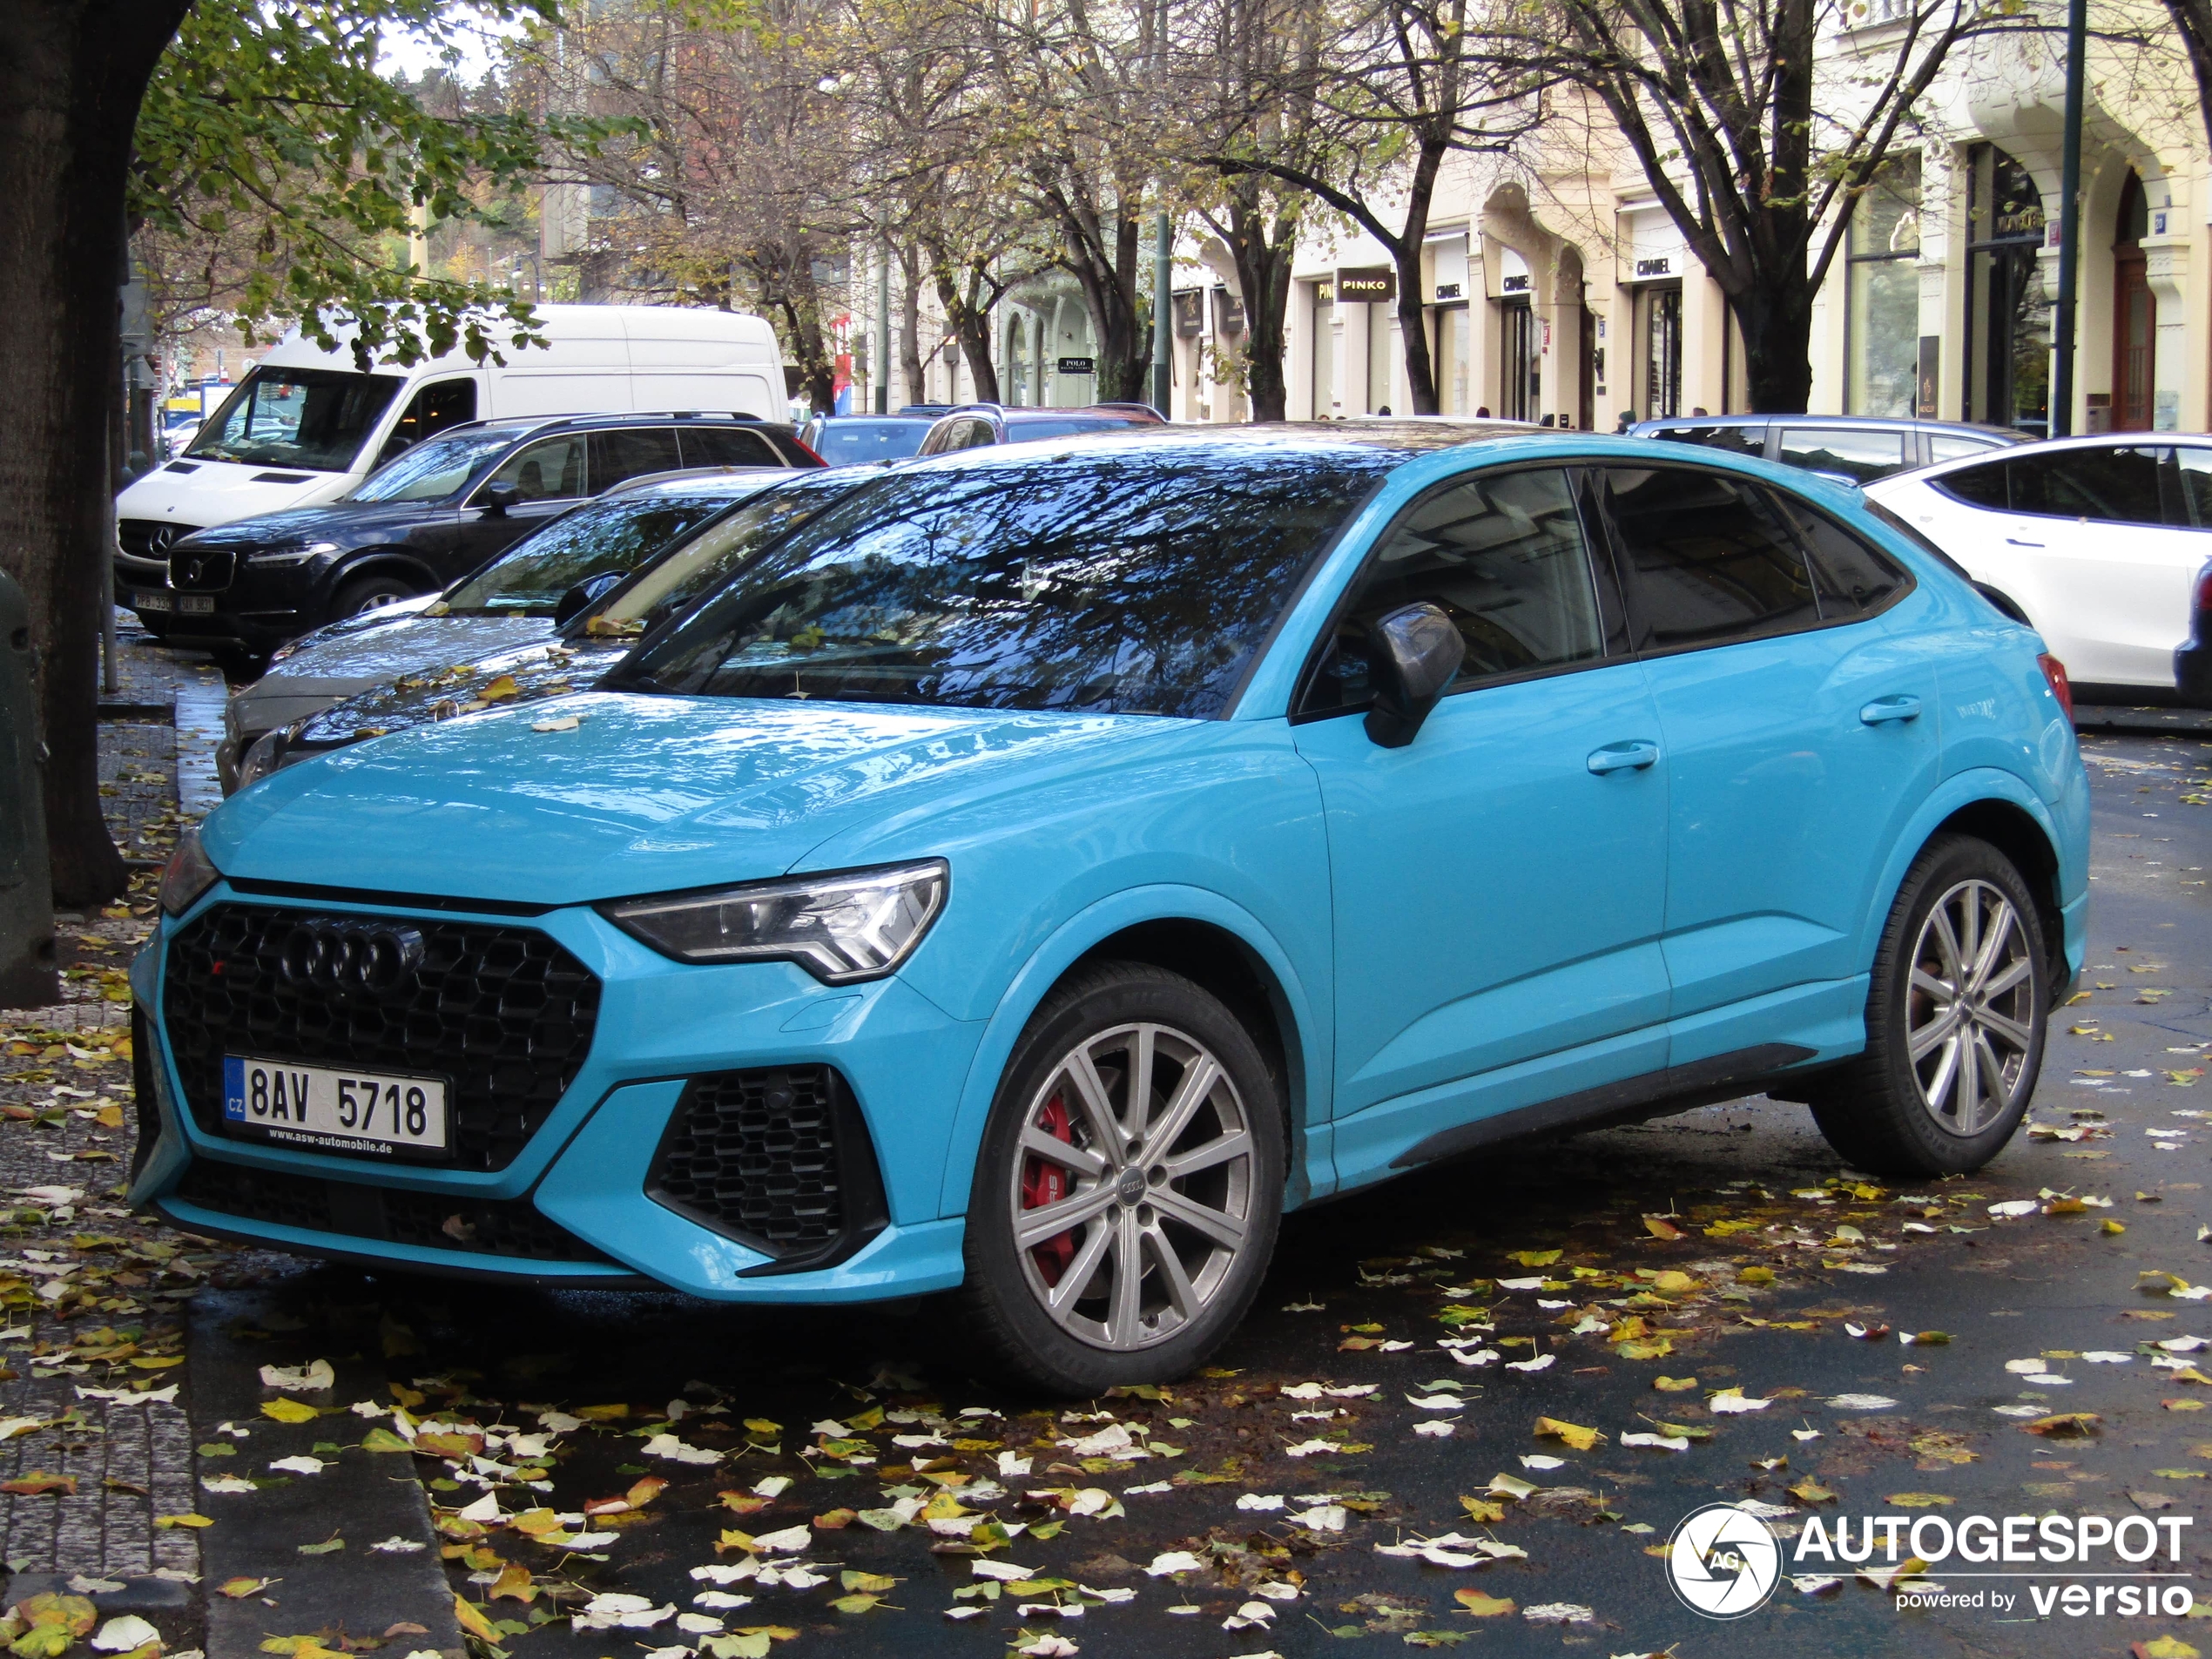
(645, 794)
(218, 492)
(382, 654)
(330, 521)
(440, 687)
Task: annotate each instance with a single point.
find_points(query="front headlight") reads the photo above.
(190, 874)
(296, 553)
(856, 925)
(266, 755)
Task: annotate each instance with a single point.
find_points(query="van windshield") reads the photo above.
(312, 419)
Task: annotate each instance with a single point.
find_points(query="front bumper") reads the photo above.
(585, 1169)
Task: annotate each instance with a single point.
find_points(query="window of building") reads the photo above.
(1323, 336)
(1659, 317)
(1454, 356)
(1884, 279)
(1520, 390)
(2008, 319)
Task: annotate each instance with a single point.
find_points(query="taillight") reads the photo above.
(2054, 671)
(2204, 589)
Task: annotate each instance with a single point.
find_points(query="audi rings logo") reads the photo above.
(348, 959)
(1722, 1562)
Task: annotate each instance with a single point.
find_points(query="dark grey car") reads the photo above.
(515, 601)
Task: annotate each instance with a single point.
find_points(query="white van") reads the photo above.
(306, 426)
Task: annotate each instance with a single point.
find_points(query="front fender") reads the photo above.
(1310, 1053)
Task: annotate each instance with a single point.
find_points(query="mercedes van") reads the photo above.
(306, 426)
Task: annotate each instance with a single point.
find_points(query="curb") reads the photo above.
(364, 1497)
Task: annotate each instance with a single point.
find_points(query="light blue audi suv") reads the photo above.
(1048, 864)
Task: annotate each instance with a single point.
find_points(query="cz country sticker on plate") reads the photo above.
(316, 1109)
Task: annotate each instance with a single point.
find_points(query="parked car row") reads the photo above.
(830, 884)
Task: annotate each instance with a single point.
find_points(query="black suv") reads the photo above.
(428, 517)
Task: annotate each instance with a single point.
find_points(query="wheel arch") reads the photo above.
(378, 561)
(1189, 931)
(1999, 808)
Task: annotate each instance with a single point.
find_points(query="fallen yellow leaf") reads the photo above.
(1482, 1605)
(1572, 1433)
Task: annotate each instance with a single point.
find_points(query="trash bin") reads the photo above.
(26, 893)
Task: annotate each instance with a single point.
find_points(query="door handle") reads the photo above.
(2015, 541)
(1633, 755)
(1883, 710)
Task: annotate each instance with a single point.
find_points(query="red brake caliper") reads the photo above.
(1044, 1183)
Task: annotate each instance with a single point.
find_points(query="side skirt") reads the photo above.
(1672, 1088)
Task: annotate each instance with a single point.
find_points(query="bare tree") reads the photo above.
(1720, 105)
(1398, 89)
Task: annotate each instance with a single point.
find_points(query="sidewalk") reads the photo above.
(95, 1446)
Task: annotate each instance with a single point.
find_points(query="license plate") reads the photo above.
(150, 602)
(317, 1110)
(196, 604)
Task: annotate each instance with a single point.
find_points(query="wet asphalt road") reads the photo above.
(1769, 1278)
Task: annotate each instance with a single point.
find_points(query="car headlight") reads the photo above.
(856, 925)
(190, 874)
(262, 758)
(292, 553)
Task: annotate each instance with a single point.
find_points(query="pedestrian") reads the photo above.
(1699, 410)
(1628, 419)
(1383, 410)
(1482, 411)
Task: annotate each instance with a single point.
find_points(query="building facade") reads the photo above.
(1566, 294)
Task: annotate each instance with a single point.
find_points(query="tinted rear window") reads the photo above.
(1126, 584)
(1709, 555)
(1852, 578)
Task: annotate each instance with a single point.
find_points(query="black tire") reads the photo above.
(369, 592)
(1877, 1111)
(1007, 1286)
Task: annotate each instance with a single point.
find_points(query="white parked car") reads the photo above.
(2100, 545)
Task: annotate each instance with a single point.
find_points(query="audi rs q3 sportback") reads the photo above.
(1051, 863)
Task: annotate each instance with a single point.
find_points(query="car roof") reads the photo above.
(1882, 422)
(531, 425)
(700, 480)
(2035, 447)
(1407, 439)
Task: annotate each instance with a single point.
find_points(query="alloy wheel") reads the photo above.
(1132, 1186)
(1970, 1009)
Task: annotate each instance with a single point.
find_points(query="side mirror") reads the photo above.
(586, 593)
(497, 498)
(1414, 656)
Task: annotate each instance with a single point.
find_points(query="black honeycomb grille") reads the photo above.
(505, 1013)
(384, 1215)
(777, 1159)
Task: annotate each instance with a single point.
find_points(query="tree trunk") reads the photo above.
(1777, 324)
(910, 322)
(72, 75)
(1412, 320)
(1263, 282)
(969, 319)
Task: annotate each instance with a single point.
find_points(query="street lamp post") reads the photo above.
(883, 329)
(1163, 329)
(2061, 414)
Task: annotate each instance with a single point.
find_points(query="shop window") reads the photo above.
(2008, 318)
(1884, 275)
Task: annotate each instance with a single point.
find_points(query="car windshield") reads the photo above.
(847, 443)
(314, 419)
(618, 535)
(1137, 583)
(436, 468)
(717, 553)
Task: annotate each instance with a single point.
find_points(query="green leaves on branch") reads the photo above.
(268, 129)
